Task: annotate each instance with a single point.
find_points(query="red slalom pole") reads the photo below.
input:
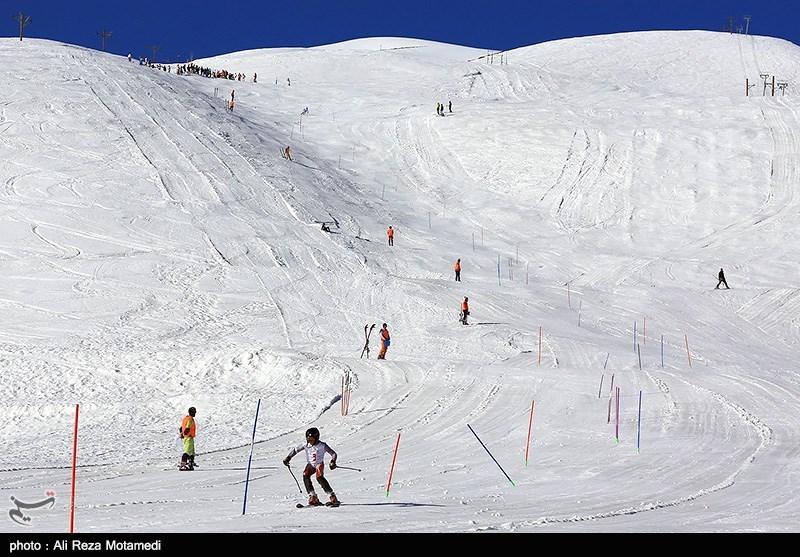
(530, 423)
(391, 470)
(74, 465)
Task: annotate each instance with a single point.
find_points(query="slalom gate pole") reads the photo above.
(639, 353)
(617, 414)
(601, 385)
(540, 345)
(530, 423)
(580, 305)
(662, 350)
(569, 300)
(609, 409)
(74, 469)
(606, 362)
(639, 424)
(490, 454)
(342, 395)
(391, 470)
(250, 460)
(634, 336)
(688, 354)
(644, 331)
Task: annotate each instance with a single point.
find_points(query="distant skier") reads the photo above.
(129, 57)
(315, 464)
(187, 431)
(255, 78)
(464, 311)
(458, 270)
(722, 280)
(230, 105)
(288, 81)
(288, 153)
(385, 341)
(450, 106)
(325, 227)
(390, 234)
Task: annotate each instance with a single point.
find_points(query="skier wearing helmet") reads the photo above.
(187, 431)
(464, 311)
(315, 454)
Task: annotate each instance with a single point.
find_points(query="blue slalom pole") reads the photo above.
(639, 425)
(250, 460)
(490, 454)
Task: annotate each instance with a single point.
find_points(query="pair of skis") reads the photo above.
(329, 504)
(367, 333)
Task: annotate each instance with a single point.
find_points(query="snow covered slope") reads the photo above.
(157, 253)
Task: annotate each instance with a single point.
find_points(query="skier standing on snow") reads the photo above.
(450, 106)
(390, 234)
(458, 270)
(385, 341)
(187, 430)
(722, 280)
(288, 153)
(464, 311)
(315, 464)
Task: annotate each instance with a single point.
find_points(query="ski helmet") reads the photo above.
(312, 432)
(192, 411)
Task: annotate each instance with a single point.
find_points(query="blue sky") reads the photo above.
(202, 28)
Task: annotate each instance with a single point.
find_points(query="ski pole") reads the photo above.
(295, 479)
(347, 468)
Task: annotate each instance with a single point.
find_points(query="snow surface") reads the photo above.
(157, 253)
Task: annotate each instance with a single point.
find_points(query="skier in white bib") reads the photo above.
(315, 464)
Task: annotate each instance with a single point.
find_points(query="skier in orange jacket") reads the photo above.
(385, 341)
(464, 311)
(458, 270)
(390, 234)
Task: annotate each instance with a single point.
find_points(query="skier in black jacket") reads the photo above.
(722, 280)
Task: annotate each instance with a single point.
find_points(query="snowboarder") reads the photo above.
(315, 464)
(464, 311)
(722, 280)
(385, 341)
(458, 270)
(187, 431)
(390, 234)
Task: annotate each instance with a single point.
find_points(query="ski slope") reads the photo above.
(158, 253)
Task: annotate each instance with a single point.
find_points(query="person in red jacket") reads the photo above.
(390, 234)
(464, 311)
(187, 431)
(385, 341)
(458, 270)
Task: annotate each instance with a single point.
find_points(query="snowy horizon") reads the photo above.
(158, 252)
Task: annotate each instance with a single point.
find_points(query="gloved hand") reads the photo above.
(286, 461)
(333, 464)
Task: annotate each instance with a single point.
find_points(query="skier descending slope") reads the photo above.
(315, 464)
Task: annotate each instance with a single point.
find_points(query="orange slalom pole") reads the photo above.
(688, 354)
(391, 470)
(74, 466)
(530, 423)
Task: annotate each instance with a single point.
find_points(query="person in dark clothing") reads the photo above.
(722, 280)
